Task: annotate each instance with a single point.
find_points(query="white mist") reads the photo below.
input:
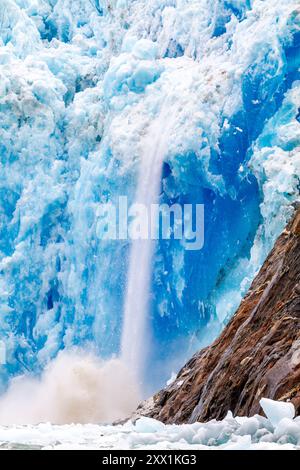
(74, 388)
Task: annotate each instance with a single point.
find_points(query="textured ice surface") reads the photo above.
(276, 411)
(80, 84)
(256, 433)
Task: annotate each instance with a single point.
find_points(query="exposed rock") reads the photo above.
(257, 355)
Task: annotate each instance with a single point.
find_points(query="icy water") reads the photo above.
(256, 433)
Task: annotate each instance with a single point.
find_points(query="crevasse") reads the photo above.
(81, 82)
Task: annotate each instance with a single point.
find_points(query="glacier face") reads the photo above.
(81, 83)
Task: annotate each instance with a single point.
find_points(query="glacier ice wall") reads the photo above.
(80, 83)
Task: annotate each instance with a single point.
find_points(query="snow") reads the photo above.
(255, 433)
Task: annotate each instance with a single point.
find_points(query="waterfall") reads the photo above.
(134, 336)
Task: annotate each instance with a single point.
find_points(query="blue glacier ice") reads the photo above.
(81, 83)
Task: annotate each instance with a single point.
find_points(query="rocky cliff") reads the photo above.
(257, 355)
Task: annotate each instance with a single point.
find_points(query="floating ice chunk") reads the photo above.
(288, 430)
(150, 434)
(249, 427)
(148, 425)
(277, 410)
(185, 432)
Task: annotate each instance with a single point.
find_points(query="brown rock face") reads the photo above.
(257, 355)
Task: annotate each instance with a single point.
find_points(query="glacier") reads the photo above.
(81, 83)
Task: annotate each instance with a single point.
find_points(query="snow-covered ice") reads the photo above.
(255, 433)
